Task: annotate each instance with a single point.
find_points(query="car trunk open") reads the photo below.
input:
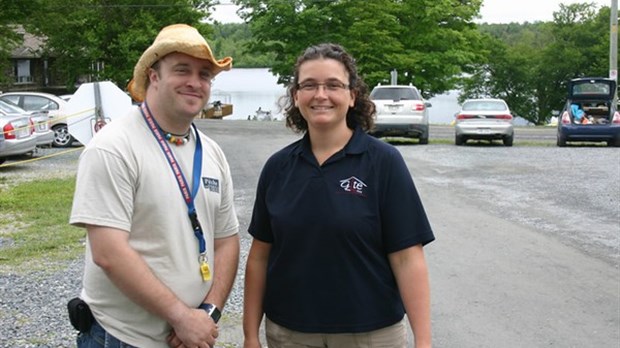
(591, 112)
(591, 89)
(590, 101)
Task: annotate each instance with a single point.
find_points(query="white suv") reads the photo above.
(401, 111)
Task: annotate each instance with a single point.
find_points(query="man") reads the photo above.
(156, 198)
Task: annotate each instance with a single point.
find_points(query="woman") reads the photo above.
(338, 225)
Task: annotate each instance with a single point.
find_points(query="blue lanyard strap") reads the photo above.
(178, 173)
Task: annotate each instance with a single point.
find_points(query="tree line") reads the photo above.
(434, 44)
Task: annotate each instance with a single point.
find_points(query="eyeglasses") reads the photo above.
(330, 86)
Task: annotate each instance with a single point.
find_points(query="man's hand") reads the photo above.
(197, 329)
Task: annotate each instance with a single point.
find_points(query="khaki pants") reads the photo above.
(394, 336)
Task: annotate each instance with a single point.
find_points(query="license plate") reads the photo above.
(484, 131)
(23, 132)
(393, 108)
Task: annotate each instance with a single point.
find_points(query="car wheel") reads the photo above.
(423, 141)
(561, 141)
(508, 140)
(614, 143)
(459, 140)
(62, 138)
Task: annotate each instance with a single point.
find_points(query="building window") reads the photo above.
(22, 67)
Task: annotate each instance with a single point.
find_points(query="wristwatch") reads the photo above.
(213, 312)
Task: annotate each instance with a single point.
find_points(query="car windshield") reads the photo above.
(484, 105)
(394, 94)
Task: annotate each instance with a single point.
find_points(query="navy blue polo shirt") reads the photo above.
(331, 228)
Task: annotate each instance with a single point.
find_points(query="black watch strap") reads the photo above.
(212, 310)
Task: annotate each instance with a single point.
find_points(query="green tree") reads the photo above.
(529, 65)
(427, 41)
(233, 39)
(507, 73)
(105, 38)
(580, 47)
(12, 13)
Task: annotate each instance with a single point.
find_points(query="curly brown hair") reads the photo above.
(362, 112)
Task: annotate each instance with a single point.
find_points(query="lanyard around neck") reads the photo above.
(178, 173)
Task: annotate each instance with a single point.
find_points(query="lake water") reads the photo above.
(247, 90)
(251, 89)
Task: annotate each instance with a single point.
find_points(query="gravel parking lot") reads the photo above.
(562, 200)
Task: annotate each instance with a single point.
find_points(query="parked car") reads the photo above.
(18, 136)
(38, 120)
(484, 119)
(2, 159)
(589, 113)
(401, 111)
(42, 130)
(52, 104)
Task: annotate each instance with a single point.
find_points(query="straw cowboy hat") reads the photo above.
(174, 38)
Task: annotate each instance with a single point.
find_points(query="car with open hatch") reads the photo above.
(401, 111)
(589, 113)
(484, 119)
(53, 105)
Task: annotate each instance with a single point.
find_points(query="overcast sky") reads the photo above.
(503, 11)
(492, 11)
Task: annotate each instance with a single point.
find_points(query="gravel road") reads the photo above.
(527, 251)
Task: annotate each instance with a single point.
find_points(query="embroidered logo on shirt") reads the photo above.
(353, 186)
(211, 184)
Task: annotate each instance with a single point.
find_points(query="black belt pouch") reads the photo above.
(80, 315)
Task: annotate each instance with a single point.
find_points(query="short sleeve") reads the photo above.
(404, 221)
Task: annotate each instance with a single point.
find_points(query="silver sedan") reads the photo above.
(19, 139)
(39, 121)
(484, 119)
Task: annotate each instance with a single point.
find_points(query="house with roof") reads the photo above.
(30, 69)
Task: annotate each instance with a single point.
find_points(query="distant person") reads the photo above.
(337, 256)
(156, 198)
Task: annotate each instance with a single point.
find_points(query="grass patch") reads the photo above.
(35, 224)
(535, 143)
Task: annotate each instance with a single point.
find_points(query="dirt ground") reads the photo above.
(527, 250)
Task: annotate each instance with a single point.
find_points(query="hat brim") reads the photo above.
(163, 47)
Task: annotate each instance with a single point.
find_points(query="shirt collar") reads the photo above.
(356, 145)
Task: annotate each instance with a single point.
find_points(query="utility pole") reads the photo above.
(394, 76)
(613, 45)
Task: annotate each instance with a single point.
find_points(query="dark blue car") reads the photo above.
(590, 114)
